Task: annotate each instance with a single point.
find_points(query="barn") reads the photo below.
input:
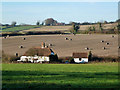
(37, 54)
(80, 57)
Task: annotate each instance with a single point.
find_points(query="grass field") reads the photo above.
(18, 28)
(32, 76)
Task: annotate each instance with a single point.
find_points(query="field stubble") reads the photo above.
(64, 47)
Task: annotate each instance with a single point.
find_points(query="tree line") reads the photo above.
(52, 22)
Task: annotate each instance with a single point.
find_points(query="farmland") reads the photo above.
(18, 28)
(27, 28)
(95, 75)
(64, 47)
(67, 28)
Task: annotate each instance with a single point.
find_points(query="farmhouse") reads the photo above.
(80, 57)
(37, 54)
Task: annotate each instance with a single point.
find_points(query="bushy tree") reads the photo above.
(37, 23)
(53, 58)
(118, 20)
(90, 56)
(50, 21)
(105, 22)
(118, 26)
(91, 28)
(13, 23)
(74, 28)
(100, 27)
(42, 23)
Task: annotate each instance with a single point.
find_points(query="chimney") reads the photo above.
(42, 45)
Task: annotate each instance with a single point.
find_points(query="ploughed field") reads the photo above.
(63, 47)
(33, 76)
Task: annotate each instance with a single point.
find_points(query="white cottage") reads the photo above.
(37, 54)
(80, 57)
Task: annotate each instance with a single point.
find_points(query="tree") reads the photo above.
(100, 27)
(105, 22)
(75, 28)
(13, 23)
(118, 27)
(53, 58)
(118, 20)
(50, 21)
(90, 56)
(42, 23)
(89, 29)
(37, 23)
(93, 28)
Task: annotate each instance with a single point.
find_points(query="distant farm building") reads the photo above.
(80, 57)
(38, 54)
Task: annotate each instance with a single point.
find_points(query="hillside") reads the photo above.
(64, 47)
(67, 28)
(55, 28)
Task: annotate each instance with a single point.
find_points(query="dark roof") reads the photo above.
(80, 55)
(38, 51)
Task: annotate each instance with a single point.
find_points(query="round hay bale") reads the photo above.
(16, 54)
(104, 48)
(113, 36)
(66, 39)
(4, 37)
(102, 41)
(46, 46)
(24, 38)
(86, 48)
(118, 47)
(50, 44)
(107, 43)
(21, 46)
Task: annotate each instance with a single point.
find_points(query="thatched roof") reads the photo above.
(80, 55)
(38, 51)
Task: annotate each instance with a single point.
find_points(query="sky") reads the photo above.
(31, 12)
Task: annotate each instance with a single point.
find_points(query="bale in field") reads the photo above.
(21, 46)
(113, 36)
(118, 47)
(16, 54)
(107, 43)
(66, 39)
(50, 44)
(86, 48)
(24, 38)
(4, 37)
(46, 46)
(102, 41)
(104, 48)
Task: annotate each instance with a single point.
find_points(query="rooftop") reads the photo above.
(80, 55)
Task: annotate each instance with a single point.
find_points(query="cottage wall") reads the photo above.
(34, 58)
(81, 60)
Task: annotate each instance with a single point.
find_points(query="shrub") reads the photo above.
(105, 59)
(8, 58)
(54, 58)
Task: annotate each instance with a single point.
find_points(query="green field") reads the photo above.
(95, 75)
(18, 28)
